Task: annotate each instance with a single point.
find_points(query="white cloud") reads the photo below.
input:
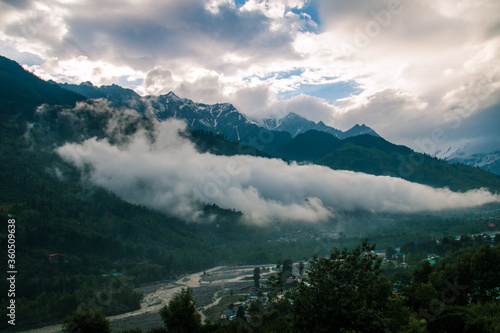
(158, 82)
(430, 55)
(81, 69)
(171, 176)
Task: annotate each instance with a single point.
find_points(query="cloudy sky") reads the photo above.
(421, 73)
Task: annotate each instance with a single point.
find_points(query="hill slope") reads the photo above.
(374, 155)
(104, 245)
(21, 92)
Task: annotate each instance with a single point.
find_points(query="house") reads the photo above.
(228, 315)
(432, 258)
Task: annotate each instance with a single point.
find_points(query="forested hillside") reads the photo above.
(375, 155)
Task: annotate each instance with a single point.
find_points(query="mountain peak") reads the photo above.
(86, 84)
(293, 115)
(360, 130)
(172, 95)
(296, 124)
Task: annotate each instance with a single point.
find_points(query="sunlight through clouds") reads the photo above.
(424, 58)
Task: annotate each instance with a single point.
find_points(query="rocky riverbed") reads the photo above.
(209, 287)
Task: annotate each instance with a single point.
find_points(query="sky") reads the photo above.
(421, 73)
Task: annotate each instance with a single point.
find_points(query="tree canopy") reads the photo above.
(86, 320)
(180, 315)
(342, 292)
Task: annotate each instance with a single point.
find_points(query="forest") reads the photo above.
(354, 290)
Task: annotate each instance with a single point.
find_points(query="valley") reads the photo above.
(209, 287)
(119, 198)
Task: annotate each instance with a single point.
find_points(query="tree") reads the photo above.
(256, 277)
(301, 268)
(485, 272)
(389, 252)
(343, 292)
(422, 272)
(240, 313)
(180, 315)
(484, 317)
(287, 268)
(86, 319)
(396, 316)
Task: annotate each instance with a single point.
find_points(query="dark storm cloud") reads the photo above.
(21, 4)
(481, 130)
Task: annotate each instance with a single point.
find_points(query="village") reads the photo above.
(223, 291)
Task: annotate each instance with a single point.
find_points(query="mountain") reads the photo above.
(21, 92)
(117, 96)
(295, 125)
(309, 146)
(462, 155)
(359, 130)
(295, 138)
(221, 119)
(106, 246)
(486, 161)
(113, 92)
(94, 233)
(375, 155)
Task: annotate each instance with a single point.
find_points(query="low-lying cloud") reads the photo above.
(170, 175)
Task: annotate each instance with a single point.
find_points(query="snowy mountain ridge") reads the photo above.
(462, 155)
(294, 124)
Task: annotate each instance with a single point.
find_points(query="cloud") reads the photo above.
(158, 81)
(414, 62)
(406, 112)
(309, 107)
(170, 175)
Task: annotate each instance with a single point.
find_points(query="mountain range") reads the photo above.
(294, 124)
(462, 155)
(225, 119)
(221, 118)
(293, 138)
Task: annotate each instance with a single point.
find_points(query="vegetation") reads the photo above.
(342, 293)
(349, 292)
(86, 320)
(256, 277)
(21, 92)
(180, 315)
(374, 155)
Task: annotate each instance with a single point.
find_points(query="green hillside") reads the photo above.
(103, 244)
(374, 155)
(309, 146)
(21, 92)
